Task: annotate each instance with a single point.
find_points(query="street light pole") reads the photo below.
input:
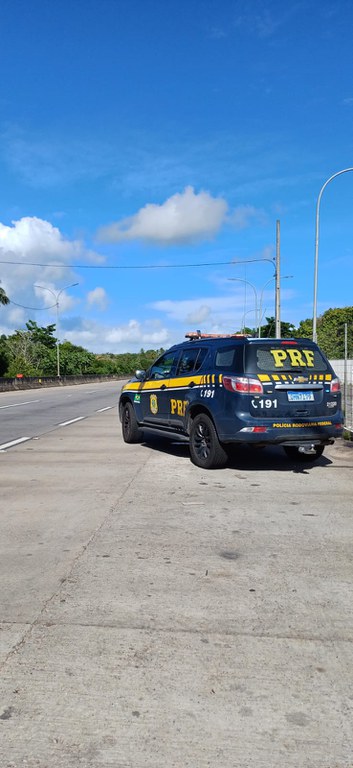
(56, 297)
(260, 308)
(316, 261)
(278, 282)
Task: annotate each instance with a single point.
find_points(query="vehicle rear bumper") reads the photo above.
(317, 431)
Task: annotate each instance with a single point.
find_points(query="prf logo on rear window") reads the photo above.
(297, 357)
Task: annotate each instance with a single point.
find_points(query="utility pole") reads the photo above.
(278, 282)
(345, 372)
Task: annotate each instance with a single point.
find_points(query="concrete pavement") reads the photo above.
(154, 614)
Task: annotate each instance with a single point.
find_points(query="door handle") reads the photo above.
(163, 386)
(192, 384)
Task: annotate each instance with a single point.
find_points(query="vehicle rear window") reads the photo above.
(277, 358)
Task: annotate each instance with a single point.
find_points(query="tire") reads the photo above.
(205, 449)
(131, 432)
(293, 453)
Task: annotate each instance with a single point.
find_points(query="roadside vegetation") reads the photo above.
(32, 351)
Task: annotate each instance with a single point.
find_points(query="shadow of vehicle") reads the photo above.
(269, 458)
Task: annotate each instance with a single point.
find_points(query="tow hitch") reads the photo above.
(307, 449)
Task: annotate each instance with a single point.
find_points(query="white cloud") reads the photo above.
(200, 314)
(31, 243)
(184, 217)
(97, 298)
(118, 338)
(31, 239)
(214, 309)
(134, 331)
(242, 216)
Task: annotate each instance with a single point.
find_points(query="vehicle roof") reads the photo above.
(236, 339)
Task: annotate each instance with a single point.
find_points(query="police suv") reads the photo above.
(220, 390)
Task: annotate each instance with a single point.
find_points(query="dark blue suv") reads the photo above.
(221, 390)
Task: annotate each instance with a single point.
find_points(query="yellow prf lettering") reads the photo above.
(279, 355)
(178, 406)
(295, 357)
(309, 355)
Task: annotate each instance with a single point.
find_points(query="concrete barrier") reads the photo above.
(36, 382)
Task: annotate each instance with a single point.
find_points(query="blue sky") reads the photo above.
(140, 137)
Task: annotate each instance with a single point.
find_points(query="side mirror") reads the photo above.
(140, 375)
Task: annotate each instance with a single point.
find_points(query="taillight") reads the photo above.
(243, 384)
(335, 385)
(254, 429)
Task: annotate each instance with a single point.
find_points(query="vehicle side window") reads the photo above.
(191, 360)
(229, 358)
(161, 369)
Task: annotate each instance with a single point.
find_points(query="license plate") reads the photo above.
(300, 397)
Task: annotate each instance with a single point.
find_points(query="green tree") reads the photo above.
(4, 356)
(330, 331)
(31, 352)
(3, 297)
(75, 360)
(42, 335)
(332, 334)
(269, 330)
(305, 329)
(21, 354)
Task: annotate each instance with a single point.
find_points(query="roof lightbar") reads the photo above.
(198, 335)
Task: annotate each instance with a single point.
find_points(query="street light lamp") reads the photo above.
(56, 297)
(274, 277)
(248, 311)
(241, 280)
(316, 262)
(258, 304)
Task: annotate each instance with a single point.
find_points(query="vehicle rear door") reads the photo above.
(297, 380)
(184, 387)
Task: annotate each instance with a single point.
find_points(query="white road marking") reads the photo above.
(14, 442)
(108, 408)
(14, 405)
(72, 421)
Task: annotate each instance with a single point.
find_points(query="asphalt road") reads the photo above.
(31, 413)
(156, 615)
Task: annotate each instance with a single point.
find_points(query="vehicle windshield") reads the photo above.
(285, 356)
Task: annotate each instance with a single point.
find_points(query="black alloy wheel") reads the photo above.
(130, 429)
(205, 449)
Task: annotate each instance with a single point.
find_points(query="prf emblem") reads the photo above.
(178, 406)
(153, 404)
(301, 358)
